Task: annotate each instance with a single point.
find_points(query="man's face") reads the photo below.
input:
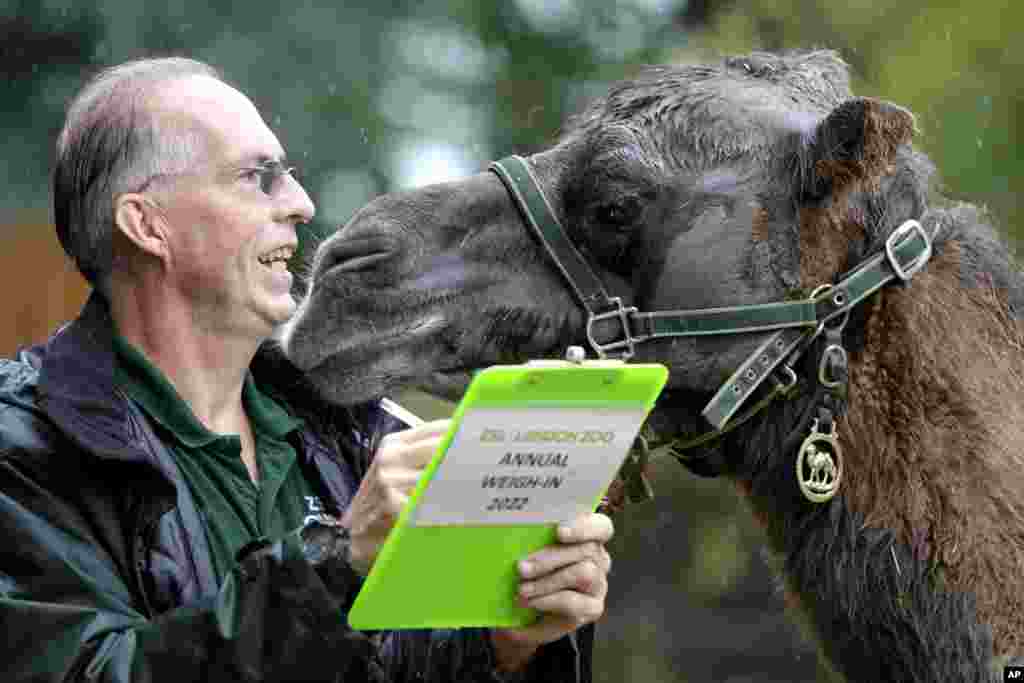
(231, 227)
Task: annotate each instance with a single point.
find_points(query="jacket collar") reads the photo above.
(78, 392)
(77, 389)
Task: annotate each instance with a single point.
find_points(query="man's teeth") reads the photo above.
(278, 256)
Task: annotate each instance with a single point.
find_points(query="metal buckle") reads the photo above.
(840, 312)
(791, 380)
(622, 314)
(905, 273)
(823, 373)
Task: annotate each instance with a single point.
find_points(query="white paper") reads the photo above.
(527, 465)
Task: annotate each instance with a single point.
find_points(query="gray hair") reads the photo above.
(113, 141)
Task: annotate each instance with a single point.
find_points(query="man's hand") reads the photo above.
(567, 583)
(397, 465)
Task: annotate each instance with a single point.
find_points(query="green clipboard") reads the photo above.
(530, 446)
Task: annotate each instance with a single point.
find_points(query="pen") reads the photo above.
(399, 412)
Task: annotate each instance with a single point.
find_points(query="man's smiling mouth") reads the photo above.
(278, 258)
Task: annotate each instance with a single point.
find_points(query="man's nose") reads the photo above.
(296, 205)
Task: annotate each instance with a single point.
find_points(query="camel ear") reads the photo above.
(857, 141)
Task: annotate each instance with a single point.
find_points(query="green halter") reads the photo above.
(795, 323)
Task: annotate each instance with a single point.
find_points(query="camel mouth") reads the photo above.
(447, 384)
(451, 382)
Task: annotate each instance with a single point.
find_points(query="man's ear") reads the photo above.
(855, 142)
(140, 221)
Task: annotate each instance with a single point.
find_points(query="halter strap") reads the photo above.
(794, 323)
(536, 211)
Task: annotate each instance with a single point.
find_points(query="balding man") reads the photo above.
(176, 503)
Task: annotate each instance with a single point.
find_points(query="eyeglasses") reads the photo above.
(270, 175)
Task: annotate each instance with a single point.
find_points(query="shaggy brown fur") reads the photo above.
(884, 128)
(856, 147)
(935, 434)
(824, 236)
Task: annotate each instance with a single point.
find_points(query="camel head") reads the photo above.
(688, 187)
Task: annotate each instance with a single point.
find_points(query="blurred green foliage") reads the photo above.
(376, 96)
(367, 98)
(956, 65)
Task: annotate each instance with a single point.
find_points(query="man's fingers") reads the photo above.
(585, 577)
(567, 582)
(403, 480)
(555, 557)
(385, 490)
(418, 433)
(568, 607)
(561, 612)
(589, 527)
(415, 454)
(396, 500)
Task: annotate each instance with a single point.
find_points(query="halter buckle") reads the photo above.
(627, 343)
(833, 353)
(898, 235)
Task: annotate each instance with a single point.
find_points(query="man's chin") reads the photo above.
(278, 313)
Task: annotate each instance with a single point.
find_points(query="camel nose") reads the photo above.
(345, 254)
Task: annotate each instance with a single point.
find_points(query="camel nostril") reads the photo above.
(354, 254)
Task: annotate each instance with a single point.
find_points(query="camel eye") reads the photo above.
(619, 213)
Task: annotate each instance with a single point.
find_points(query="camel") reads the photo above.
(843, 342)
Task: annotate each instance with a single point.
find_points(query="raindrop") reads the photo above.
(365, 136)
(331, 89)
(979, 143)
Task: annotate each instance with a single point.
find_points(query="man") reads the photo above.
(169, 485)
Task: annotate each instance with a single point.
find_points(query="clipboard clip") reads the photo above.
(575, 355)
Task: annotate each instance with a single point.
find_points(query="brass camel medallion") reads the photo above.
(819, 465)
